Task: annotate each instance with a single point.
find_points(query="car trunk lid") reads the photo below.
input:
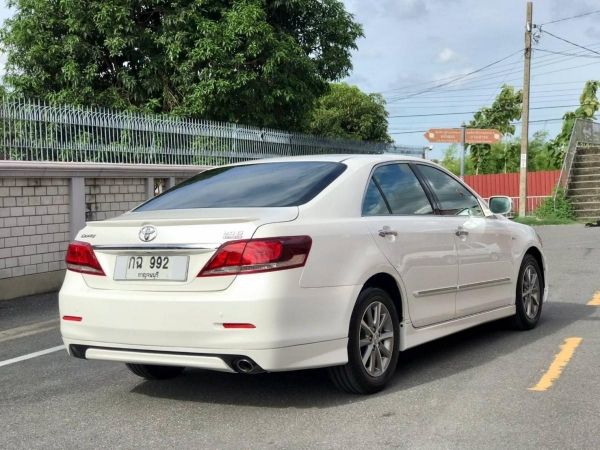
(185, 239)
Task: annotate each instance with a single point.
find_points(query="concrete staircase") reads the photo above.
(584, 184)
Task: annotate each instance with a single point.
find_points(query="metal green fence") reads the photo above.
(36, 131)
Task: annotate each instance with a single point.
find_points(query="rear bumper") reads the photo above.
(296, 327)
(319, 354)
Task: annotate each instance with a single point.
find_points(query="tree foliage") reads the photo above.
(347, 112)
(504, 157)
(451, 161)
(260, 62)
(588, 106)
(504, 110)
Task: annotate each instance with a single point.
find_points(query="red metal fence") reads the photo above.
(539, 186)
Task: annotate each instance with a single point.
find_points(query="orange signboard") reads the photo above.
(482, 136)
(454, 135)
(448, 135)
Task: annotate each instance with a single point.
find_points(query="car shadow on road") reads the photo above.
(418, 366)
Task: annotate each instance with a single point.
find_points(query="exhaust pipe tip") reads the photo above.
(244, 365)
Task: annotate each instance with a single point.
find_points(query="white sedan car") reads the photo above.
(338, 261)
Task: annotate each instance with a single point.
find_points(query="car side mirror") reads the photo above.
(500, 204)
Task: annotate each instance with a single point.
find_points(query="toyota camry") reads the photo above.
(338, 261)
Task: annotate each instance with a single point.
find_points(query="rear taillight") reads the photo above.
(81, 258)
(258, 255)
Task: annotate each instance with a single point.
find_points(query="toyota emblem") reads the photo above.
(147, 233)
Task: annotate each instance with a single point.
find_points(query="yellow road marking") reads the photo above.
(595, 301)
(560, 361)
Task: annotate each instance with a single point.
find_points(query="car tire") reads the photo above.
(151, 372)
(373, 345)
(529, 295)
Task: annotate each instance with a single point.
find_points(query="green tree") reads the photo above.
(504, 157)
(504, 110)
(451, 161)
(260, 62)
(539, 154)
(589, 105)
(347, 112)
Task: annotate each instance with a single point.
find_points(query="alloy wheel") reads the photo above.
(376, 339)
(530, 292)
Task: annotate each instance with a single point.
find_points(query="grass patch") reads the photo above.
(548, 220)
(554, 210)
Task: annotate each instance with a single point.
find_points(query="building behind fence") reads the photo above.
(36, 131)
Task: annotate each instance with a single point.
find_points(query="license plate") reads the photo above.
(151, 268)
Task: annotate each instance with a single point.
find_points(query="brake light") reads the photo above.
(81, 258)
(73, 318)
(258, 255)
(238, 326)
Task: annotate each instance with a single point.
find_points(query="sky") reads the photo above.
(415, 45)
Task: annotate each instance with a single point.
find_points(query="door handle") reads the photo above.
(385, 231)
(461, 232)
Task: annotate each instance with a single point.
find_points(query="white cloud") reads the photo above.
(447, 55)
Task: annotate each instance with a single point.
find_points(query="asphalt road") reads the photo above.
(470, 390)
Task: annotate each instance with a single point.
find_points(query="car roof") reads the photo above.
(362, 158)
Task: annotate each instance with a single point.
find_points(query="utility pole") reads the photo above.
(463, 139)
(525, 113)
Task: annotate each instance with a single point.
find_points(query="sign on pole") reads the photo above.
(464, 136)
(482, 136)
(446, 135)
(454, 135)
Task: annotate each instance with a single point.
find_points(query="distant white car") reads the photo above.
(320, 261)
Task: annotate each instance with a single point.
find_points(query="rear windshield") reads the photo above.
(252, 185)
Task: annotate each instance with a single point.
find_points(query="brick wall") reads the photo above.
(43, 205)
(34, 225)
(109, 197)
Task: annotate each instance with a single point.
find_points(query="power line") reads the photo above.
(572, 17)
(541, 59)
(539, 93)
(463, 76)
(495, 84)
(473, 112)
(483, 98)
(569, 42)
(433, 82)
(462, 105)
(575, 55)
(512, 123)
(486, 87)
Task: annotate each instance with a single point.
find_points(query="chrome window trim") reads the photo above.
(145, 247)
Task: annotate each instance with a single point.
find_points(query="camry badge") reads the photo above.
(147, 233)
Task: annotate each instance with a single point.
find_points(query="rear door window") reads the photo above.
(251, 185)
(400, 191)
(374, 204)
